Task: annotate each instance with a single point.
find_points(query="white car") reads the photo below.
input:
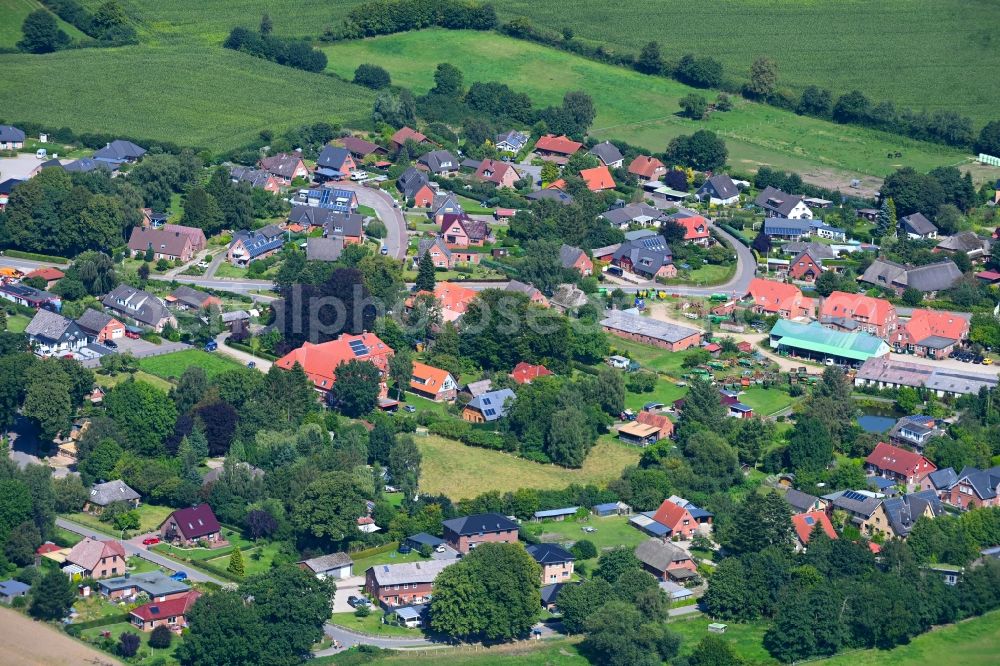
(440, 549)
(589, 530)
(359, 175)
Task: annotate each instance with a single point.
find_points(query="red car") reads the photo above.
(150, 541)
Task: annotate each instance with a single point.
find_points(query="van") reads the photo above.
(41, 153)
(359, 175)
(614, 270)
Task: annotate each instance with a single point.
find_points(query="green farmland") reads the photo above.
(922, 54)
(13, 13)
(648, 114)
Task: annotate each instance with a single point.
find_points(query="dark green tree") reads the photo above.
(161, 637)
(223, 629)
(425, 273)
(128, 644)
(810, 447)
(714, 651)
(579, 602)
(448, 81)
(763, 78)
(328, 509)
(41, 33)
(615, 562)
(650, 61)
(52, 596)
(694, 106)
(372, 76)
(142, 412)
(618, 636)
(236, 563)
(356, 390)
(762, 520)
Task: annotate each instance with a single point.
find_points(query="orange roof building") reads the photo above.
(598, 179)
(557, 145)
(805, 523)
(695, 229)
(320, 361)
(932, 333)
(49, 274)
(433, 383)
(657, 420)
(857, 312)
(523, 372)
(454, 299)
(647, 167)
(780, 298)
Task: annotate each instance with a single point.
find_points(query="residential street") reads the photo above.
(391, 216)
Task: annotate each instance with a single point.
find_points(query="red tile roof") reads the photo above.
(645, 166)
(660, 421)
(196, 521)
(433, 379)
(695, 227)
(804, 523)
(597, 179)
(407, 134)
(523, 372)
(161, 610)
(903, 462)
(778, 296)
(558, 144)
(320, 361)
(988, 275)
(48, 547)
(671, 514)
(878, 311)
(47, 274)
(926, 323)
(89, 552)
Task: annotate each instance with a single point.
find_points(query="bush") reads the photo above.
(128, 644)
(584, 549)
(362, 611)
(160, 638)
(371, 76)
(641, 382)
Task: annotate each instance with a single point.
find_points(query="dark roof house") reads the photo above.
(137, 304)
(439, 161)
(917, 226)
(480, 523)
(119, 151)
(103, 494)
(608, 153)
(549, 553)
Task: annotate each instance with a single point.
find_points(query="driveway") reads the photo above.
(20, 167)
(391, 216)
(140, 551)
(262, 364)
(347, 587)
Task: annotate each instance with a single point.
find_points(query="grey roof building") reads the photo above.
(943, 479)
(891, 373)
(608, 153)
(313, 216)
(137, 304)
(51, 330)
(439, 161)
(255, 177)
(409, 573)
(410, 182)
(916, 225)
(859, 505)
(549, 553)
(568, 255)
(620, 320)
(259, 242)
(93, 321)
(479, 523)
(154, 584)
(324, 563)
(103, 494)
(11, 134)
(968, 242)
(719, 187)
(85, 165)
(802, 502)
(333, 157)
(777, 203)
(512, 141)
(551, 195)
(523, 288)
(659, 555)
(493, 404)
(646, 255)
(190, 297)
(637, 213)
(818, 251)
(344, 226)
(119, 151)
(324, 249)
(929, 278)
(903, 512)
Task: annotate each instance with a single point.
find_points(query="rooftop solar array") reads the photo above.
(358, 347)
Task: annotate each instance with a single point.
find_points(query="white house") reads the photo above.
(52, 334)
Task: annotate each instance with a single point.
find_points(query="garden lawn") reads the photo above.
(459, 471)
(372, 625)
(755, 134)
(17, 323)
(611, 531)
(172, 366)
(251, 565)
(766, 401)
(706, 275)
(146, 656)
(556, 652)
(151, 516)
(389, 557)
(107, 381)
(651, 358)
(746, 639)
(665, 391)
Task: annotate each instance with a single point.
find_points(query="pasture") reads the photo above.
(647, 115)
(922, 54)
(459, 471)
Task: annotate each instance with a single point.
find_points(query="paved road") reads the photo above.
(262, 364)
(140, 551)
(391, 216)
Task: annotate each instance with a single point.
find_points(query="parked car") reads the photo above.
(111, 344)
(179, 575)
(384, 250)
(150, 541)
(211, 346)
(354, 601)
(251, 364)
(440, 549)
(409, 408)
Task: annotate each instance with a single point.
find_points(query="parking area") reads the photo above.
(90, 356)
(19, 167)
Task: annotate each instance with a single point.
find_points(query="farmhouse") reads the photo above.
(139, 306)
(608, 154)
(320, 361)
(51, 334)
(719, 190)
(489, 406)
(192, 525)
(100, 325)
(813, 340)
(780, 298)
(394, 585)
(891, 462)
(248, 246)
(928, 279)
(285, 166)
(95, 559)
(856, 312)
(917, 227)
(671, 337)
(465, 533)
(968, 242)
(890, 373)
(433, 383)
(647, 167)
(932, 333)
(782, 205)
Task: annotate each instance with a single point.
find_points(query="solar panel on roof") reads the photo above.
(850, 494)
(490, 412)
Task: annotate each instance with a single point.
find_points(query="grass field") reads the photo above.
(765, 401)
(172, 366)
(17, 323)
(372, 625)
(666, 392)
(610, 531)
(921, 54)
(647, 115)
(14, 12)
(151, 516)
(459, 471)
(108, 381)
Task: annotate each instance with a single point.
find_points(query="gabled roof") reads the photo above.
(646, 254)
(495, 171)
(670, 514)
(983, 482)
(360, 147)
(282, 164)
(89, 552)
(160, 240)
(9, 133)
(805, 523)
(324, 249)
(933, 277)
(161, 610)
(344, 225)
(320, 361)
(780, 226)
(11, 587)
(623, 215)
(659, 555)
(660, 421)
(558, 144)
(409, 573)
(405, 134)
(493, 404)
(196, 521)
(438, 161)
(722, 185)
(819, 251)
(255, 177)
(478, 388)
(842, 304)
(326, 562)
(799, 500)
(554, 195)
(86, 165)
(627, 322)
(943, 479)
(412, 181)
(437, 242)
(93, 321)
(120, 150)
(259, 241)
(597, 179)
(480, 523)
(427, 378)
(194, 298)
(515, 138)
(815, 337)
(774, 296)
(695, 226)
(7, 186)
(925, 324)
(916, 223)
(898, 460)
(864, 504)
(476, 230)
(103, 494)
(523, 372)
(773, 199)
(645, 166)
(607, 152)
(53, 327)
(965, 241)
(903, 512)
(549, 553)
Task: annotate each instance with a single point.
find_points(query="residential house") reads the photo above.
(803, 502)
(904, 511)
(856, 312)
(360, 148)
(695, 227)
(635, 327)
(914, 431)
(943, 381)
(782, 205)
(255, 245)
(556, 148)
(320, 361)
(11, 589)
(611, 509)
(512, 141)
(193, 525)
(49, 274)
(30, 297)
(286, 167)
(805, 523)
(893, 462)
(172, 246)
(476, 389)
(154, 584)
(51, 334)
(575, 259)
(348, 228)
(780, 228)
(917, 227)
(404, 134)
(324, 249)
(974, 488)
(140, 306)
(646, 167)
(421, 539)
(439, 163)
(806, 267)
(6, 187)
(932, 333)
(454, 299)
(415, 186)
(821, 230)
(550, 195)
(817, 342)
(392, 585)
(433, 383)
(928, 279)
(864, 510)
(103, 495)
(639, 434)
(556, 562)
(188, 298)
(785, 300)
(100, 326)
(550, 595)
(441, 255)
(608, 154)
(977, 249)
(445, 203)
(334, 163)
(626, 215)
(463, 231)
(488, 407)
(682, 518)
(533, 293)
(501, 174)
(719, 190)
(194, 234)
(255, 178)
(170, 613)
(597, 179)
(119, 152)
(523, 372)
(92, 558)
(337, 566)
(466, 532)
(338, 199)
(649, 257)
(302, 218)
(666, 561)
(11, 138)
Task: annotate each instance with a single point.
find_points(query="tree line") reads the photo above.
(284, 51)
(384, 17)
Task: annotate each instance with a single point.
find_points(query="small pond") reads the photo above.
(875, 422)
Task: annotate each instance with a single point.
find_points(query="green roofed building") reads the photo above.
(817, 342)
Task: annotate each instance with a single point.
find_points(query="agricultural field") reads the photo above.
(922, 54)
(459, 471)
(14, 12)
(173, 365)
(647, 116)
